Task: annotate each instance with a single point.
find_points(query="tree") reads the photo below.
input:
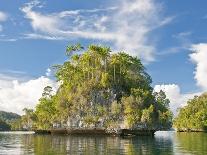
(28, 118)
(73, 48)
(147, 116)
(47, 92)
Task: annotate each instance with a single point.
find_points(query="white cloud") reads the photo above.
(7, 39)
(48, 72)
(4, 38)
(41, 36)
(16, 94)
(127, 26)
(173, 93)
(3, 17)
(199, 57)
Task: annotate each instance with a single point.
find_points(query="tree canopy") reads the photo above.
(193, 117)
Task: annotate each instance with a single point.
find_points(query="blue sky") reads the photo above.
(164, 34)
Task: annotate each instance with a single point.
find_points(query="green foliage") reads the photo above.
(16, 125)
(147, 115)
(4, 126)
(7, 120)
(194, 115)
(27, 119)
(45, 112)
(162, 107)
(100, 89)
(73, 48)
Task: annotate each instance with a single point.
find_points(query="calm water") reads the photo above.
(164, 143)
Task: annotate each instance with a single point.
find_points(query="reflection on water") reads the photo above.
(164, 143)
(194, 143)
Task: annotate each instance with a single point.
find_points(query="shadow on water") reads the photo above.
(164, 143)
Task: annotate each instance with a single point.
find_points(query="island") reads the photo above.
(100, 92)
(193, 117)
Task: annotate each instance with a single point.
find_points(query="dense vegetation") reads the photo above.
(99, 88)
(193, 117)
(4, 126)
(7, 119)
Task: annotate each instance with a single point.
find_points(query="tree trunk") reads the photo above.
(114, 73)
(105, 64)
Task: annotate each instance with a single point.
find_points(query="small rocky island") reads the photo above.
(100, 92)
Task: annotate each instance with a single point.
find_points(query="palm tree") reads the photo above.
(105, 54)
(114, 62)
(72, 48)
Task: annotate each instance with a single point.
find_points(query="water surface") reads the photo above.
(164, 143)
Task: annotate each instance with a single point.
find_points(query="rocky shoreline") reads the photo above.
(121, 132)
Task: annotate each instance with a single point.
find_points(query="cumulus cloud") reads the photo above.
(16, 94)
(126, 27)
(173, 93)
(199, 57)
